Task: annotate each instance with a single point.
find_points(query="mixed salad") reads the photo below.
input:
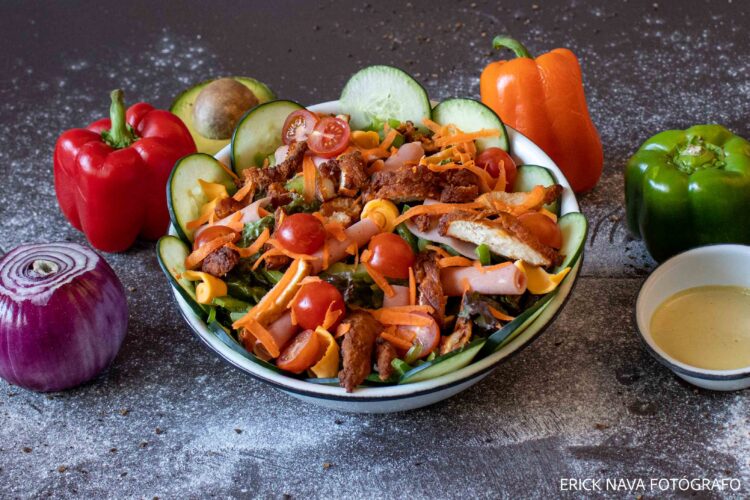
(391, 243)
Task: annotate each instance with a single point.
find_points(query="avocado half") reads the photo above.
(183, 107)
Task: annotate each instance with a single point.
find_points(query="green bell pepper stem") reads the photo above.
(120, 135)
(504, 42)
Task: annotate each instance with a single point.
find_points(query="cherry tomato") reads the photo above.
(543, 228)
(313, 301)
(301, 233)
(491, 158)
(428, 336)
(211, 233)
(330, 137)
(301, 353)
(298, 126)
(391, 256)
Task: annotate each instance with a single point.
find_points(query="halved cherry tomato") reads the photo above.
(330, 137)
(428, 336)
(543, 228)
(211, 233)
(491, 158)
(298, 126)
(391, 256)
(312, 303)
(301, 353)
(301, 233)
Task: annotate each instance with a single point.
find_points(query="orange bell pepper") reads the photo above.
(543, 99)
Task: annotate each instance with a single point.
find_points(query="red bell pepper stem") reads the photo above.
(120, 135)
(504, 42)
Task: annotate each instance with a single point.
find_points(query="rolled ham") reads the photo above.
(409, 152)
(359, 233)
(400, 298)
(492, 280)
(282, 330)
(249, 214)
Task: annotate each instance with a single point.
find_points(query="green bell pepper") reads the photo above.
(687, 188)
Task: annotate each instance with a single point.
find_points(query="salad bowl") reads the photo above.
(385, 399)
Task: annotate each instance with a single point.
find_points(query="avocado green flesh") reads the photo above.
(183, 107)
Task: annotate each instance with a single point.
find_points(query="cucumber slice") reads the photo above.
(381, 93)
(258, 133)
(171, 253)
(471, 116)
(223, 335)
(574, 227)
(183, 107)
(443, 364)
(529, 176)
(184, 195)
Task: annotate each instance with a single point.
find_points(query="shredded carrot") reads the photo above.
(396, 341)
(196, 223)
(235, 221)
(230, 172)
(502, 180)
(255, 247)
(342, 329)
(388, 316)
(269, 299)
(264, 337)
(454, 261)
(412, 287)
(366, 255)
(375, 166)
(484, 269)
(336, 229)
(326, 254)
(380, 280)
(292, 255)
(271, 252)
(389, 138)
(309, 172)
(310, 279)
(194, 259)
(332, 315)
(433, 126)
(499, 315)
(263, 212)
(466, 285)
(436, 209)
(244, 191)
(461, 137)
(439, 250)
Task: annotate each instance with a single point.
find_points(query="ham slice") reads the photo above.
(400, 298)
(491, 280)
(250, 214)
(409, 152)
(359, 233)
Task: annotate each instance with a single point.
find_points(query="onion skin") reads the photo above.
(61, 323)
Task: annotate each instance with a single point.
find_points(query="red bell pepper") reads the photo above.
(110, 178)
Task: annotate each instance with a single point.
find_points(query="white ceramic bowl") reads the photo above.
(408, 396)
(709, 265)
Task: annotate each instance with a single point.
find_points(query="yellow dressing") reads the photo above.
(706, 327)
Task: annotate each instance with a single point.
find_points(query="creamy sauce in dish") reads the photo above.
(706, 327)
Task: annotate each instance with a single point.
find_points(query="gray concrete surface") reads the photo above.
(170, 420)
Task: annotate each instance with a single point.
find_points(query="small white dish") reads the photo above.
(395, 398)
(710, 265)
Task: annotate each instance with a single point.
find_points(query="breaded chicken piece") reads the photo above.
(504, 235)
(357, 348)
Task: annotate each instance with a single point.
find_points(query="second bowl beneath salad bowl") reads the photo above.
(392, 398)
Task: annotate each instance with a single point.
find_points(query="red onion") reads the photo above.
(63, 316)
